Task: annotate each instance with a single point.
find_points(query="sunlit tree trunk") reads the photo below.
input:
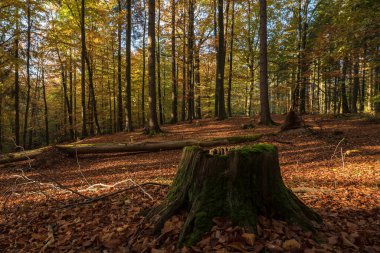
(265, 117)
(143, 70)
(119, 89)
(128, 123)
(174, 114)
(153, 122)
(17, 83)
(83, 70)
(29, 22)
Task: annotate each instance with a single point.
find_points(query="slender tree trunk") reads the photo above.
(190, 56)
(230, 59)
(198, 82)
(356, 87)
(345, 108)
(66, 97)
(144, 70)
(46, 115)
(92, 94)
(215, 7)
(83, 70)
(183, 105)
(33, 118)
(119, 89)
(153, 121)
(174, 114)
(27, 74)
(17, 83)
(265, 117)
(363, 90)
(160, 112)
(128, 123)
(220, 63)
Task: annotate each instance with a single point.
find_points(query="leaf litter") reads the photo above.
(339, 181)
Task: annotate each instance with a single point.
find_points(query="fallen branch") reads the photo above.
(151, 146)
(21, 156)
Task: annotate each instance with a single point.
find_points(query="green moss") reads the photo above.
(257, 148)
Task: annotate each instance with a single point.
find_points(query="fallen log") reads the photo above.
(151, 146)
(22, 156)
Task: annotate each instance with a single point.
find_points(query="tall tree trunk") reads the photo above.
(230, 59)
(128, 126)
(17, 82)
(303, 67)
(377, 91)
(345, 108)
(160, 112)
(190, 66)
(33, 118)
(153, 122)
(356, 87)
(65, 95)
(27, 74)
(46, 115)
(197, 81)
(220, 63)
(92, 94)
(83, 70)
(183, 105)
(119, 89)
(144, 70)
(174, 115)
(265, 117)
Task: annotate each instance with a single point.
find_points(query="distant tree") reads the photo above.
(174, 114)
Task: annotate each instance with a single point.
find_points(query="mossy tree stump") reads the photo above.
(239, 184)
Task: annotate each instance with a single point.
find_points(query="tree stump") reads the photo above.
(239, 184)
(292, 121)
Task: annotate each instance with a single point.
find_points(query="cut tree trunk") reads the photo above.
(151, 146)
(238, 184)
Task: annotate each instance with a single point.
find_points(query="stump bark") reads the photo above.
(292, 121)
(239, 184)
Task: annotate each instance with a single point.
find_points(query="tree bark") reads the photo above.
(128, 123)
(17, 83)
(355, 87)
(29, 22)
(143, 70)
(153, 122)
(265, 117)
(83, 70)
(189, 64)
(238, 184)
(230, 59)
(160, 111)
(46, 115)
(119, 89)
(345, 108)
(220, 63)
(174, 114)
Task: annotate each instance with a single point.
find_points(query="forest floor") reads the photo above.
(336, 171)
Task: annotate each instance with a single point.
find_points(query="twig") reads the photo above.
(114, 193)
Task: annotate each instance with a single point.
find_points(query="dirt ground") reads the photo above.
(334, 167)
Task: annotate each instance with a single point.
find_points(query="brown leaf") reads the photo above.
(291, 245)
(249, 238)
